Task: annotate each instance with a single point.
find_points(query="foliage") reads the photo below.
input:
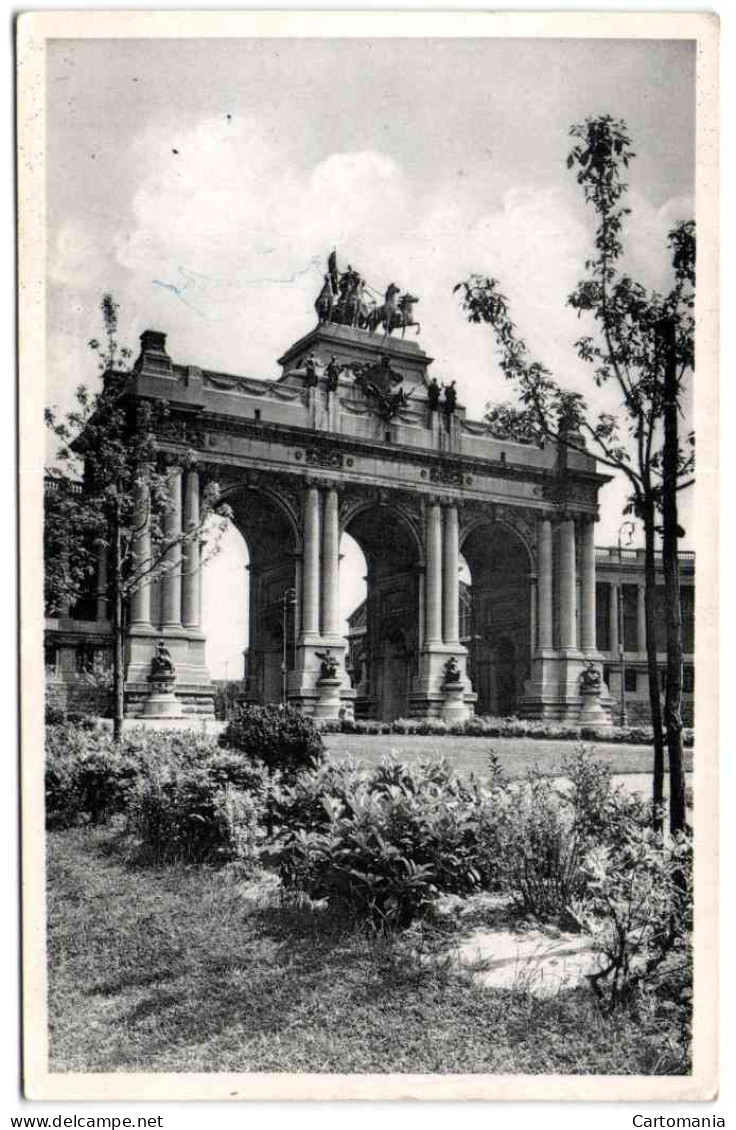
(544, 831)
(506, 727)
(226, 698)
(182, 812)
(627, 350)
(382, 845)
(54, 714)
(283, 739)
(541, 850)
(86, 775)
(107, 486)
(643, 345)
(89, 776)
(641, 901)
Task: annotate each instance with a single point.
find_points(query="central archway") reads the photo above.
(386, 662)
(499, 644)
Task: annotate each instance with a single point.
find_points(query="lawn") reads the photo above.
(470, 755)
(198, 969)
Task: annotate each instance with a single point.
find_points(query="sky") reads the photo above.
(204, 183)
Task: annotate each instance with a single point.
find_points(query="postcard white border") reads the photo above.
(33, 32)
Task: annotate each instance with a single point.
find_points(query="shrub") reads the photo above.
(54, 715)
(382, 844)
(282, 739)
(541, 849)
(89, 777)
(185, 812)
(641, 898)
(86, 775)
(542, 832)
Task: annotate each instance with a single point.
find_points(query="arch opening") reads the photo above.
(254, 630)
(498, 625)
(383, 632)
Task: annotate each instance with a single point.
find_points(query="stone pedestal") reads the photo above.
(328, 701)
(454, 707)
(592, 712)
(162, 703)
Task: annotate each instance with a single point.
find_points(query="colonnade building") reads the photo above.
(350, 438)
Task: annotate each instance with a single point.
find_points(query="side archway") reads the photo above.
(499, 647)
(271, 534)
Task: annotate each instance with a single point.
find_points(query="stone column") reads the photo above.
(191, 573)
(641, 620)
(613, 622)
(330, 565)
(567, 585)
(450, 577)
(101, 612)
(140, 603)
(587, 585)
(533, 616)
(434, 574)
(171, 580)
(298, 605)
(310, 571)
(545, 584)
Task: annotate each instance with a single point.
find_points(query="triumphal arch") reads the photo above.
(356, 436)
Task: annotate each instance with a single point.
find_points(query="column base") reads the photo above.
(193, 686)
(553, 692)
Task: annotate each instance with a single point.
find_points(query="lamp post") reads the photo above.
(625, 530)
(288, 600)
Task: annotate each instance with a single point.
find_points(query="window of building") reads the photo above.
(630, 681)
(688, 680)
(603, 617)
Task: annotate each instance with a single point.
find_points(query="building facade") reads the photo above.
(355, 436)
(621, 630)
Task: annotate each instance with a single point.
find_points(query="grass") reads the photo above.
(470, 755)
(195, 969)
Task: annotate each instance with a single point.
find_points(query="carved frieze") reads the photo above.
(223, 382)
(179, 430)
(447, 474)
(324, 456)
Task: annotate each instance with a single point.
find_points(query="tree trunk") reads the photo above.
(655, 705)
(118, 672)
(670, 533)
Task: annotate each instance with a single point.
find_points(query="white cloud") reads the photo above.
(226, 239)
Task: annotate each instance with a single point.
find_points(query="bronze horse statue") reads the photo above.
(396, 313)
(343, 300)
